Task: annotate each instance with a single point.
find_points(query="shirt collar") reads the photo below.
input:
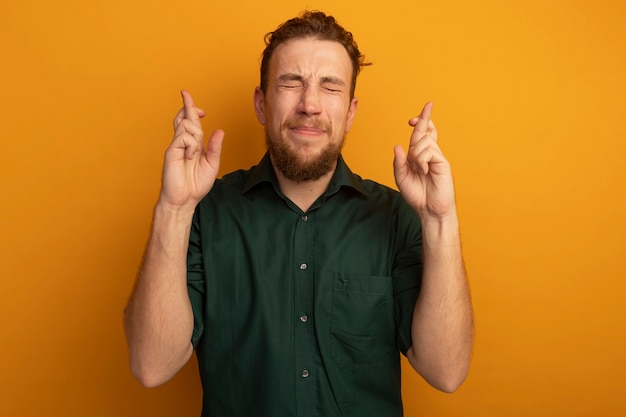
(343, 177)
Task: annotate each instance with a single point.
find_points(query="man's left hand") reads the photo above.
(423, 175)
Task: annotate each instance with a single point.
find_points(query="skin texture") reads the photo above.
(306, 111)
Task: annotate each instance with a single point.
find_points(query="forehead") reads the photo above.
(311, 57)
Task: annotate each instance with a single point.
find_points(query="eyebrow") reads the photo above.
(290, 77)
(332, 80)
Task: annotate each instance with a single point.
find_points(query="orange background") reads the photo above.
(529, 101)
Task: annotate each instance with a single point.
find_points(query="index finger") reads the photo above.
(191, 112)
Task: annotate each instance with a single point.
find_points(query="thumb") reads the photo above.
(214, 148)
(400, 167)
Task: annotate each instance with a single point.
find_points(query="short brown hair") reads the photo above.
(317, 25)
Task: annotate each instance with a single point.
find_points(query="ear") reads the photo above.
(351, 113)
(259, 105)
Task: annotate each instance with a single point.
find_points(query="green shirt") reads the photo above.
(302, 314)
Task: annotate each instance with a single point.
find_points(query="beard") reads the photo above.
(292, 167)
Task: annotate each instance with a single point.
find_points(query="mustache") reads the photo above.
(307, 123)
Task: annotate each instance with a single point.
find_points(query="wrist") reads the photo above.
(167, 212)
(440, 230)
(171, 226)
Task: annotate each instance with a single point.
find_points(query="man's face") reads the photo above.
(307, 109)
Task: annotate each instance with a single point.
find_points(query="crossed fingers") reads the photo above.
(188, 133)
(423, 147)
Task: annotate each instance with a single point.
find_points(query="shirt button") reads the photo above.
(303, 266)
(305, 218)
(305, 373)
(304, 318)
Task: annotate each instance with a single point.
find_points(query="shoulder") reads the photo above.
(379, 193)
(226, 191)
(376, 191)
(236, 179)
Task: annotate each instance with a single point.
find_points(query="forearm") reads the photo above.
(442, 320)
(159, 318)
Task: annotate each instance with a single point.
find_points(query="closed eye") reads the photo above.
(290, 81)
(333, 84)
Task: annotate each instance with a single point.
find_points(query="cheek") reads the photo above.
(280, 111)
(340, 114)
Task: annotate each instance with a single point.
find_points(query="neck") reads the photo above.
(303, 194)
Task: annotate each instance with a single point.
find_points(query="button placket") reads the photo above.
(304, 264)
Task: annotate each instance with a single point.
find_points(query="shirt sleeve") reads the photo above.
(195, 279)
(407, 272)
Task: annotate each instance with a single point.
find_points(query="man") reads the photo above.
(298, 283)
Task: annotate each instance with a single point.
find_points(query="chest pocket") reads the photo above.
(362, 327)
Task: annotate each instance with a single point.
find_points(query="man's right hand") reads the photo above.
(189, 170)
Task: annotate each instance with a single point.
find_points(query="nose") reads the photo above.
(310, 101)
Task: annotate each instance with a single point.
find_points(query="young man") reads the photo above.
(298, 283)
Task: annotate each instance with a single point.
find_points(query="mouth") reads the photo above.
(308, 128)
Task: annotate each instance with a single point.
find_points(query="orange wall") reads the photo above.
(529, 101)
